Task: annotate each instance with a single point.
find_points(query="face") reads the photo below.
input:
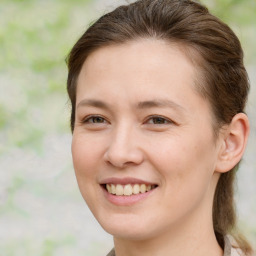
(143, 147)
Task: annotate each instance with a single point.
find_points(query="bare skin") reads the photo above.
(138, 116)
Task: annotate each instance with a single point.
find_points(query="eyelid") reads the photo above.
(88, 117)
(168, 121)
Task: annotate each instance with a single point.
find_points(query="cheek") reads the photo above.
(86, 156)
(84, 153)
(187, 166)
(86, 162)
(186, 154)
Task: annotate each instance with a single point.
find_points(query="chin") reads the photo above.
(127, 228)
(128, 234)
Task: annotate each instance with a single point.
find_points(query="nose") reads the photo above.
(124, 149)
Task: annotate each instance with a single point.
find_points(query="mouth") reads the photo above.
(128, 189)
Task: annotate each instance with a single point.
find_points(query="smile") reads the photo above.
(128, 189)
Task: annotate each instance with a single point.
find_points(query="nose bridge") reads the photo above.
(123, 146)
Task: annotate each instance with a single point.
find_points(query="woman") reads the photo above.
(158, 90)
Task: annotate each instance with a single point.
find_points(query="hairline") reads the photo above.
(190, 52)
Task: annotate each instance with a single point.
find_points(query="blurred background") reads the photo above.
(41, 210)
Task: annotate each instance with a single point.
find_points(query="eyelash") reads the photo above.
(160, 118)
(157, 118)
(88, 118)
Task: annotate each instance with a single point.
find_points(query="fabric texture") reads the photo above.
(230, 248)
(112, 253)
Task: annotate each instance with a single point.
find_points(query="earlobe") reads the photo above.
(233, 143)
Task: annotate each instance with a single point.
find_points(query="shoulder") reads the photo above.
(236, 252)
(111, 253)
(231, 247)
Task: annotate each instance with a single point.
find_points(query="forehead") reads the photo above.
(124, 75)
(140, 59)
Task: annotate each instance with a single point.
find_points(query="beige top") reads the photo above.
(229, 248)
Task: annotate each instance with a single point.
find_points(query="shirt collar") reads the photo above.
(227, 248)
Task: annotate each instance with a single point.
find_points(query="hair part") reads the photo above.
(215, 52)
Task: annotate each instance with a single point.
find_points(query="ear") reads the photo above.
(232, 143)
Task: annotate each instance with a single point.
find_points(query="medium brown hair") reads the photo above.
(213, 47)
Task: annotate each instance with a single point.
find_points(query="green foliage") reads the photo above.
(34, 39)
(36, 185)
(240, 16)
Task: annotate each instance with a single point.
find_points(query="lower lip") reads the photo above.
(126, 200)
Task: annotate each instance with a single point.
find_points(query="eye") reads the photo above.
(94, 120)
(158, 120)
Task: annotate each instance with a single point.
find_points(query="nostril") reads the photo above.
(123, 154)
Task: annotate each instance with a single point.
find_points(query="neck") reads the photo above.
(193, 235)
(196, 242)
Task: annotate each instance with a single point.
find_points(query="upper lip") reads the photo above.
(124, 181)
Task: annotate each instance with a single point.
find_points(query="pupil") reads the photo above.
(98, 120)
(158, 120)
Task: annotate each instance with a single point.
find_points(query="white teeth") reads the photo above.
(109, 188)
(136, 189)
(119, 190)
(143, 188)
(113, 189)
(148, 188)
(128, 189)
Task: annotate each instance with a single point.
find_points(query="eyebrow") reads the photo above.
(160, 103)
(155, 103)
(92, 103)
